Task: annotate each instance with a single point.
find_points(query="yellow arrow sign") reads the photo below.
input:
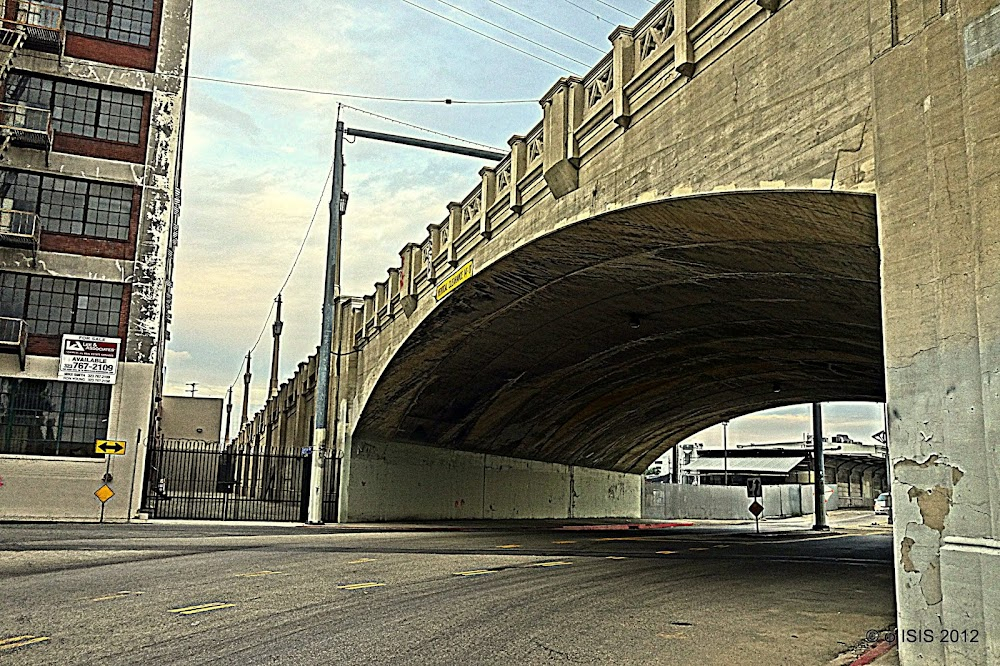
(111, 448)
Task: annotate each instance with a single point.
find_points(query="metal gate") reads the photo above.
(197, 480)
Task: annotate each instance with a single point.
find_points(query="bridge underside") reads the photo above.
(605, 342)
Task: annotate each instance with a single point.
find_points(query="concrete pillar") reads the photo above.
(409, 256)
(623, 67)
(685, 13)
(518, 168)
(450, 230)
(937, 148)
(559, 166)
(489, 197)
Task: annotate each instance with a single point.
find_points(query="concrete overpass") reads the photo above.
(743, 205)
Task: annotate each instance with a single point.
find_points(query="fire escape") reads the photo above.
(37, 26)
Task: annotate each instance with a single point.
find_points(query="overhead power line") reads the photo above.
(618, 9)
(547, 26)
(511, 32)
(376, 98)
(587, 11)
(489, 37)
(295, 263)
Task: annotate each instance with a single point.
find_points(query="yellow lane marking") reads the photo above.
(561, 543)
(257, 574)
(360, 586)
(665, 552)
(615, 557)
(697, 548)
(475, 572)
(550, 564)
(117, 595)
(363, 560)
(21, 641)
(510, 545)
(200, 608)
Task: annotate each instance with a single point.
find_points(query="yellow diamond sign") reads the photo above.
(104, 493)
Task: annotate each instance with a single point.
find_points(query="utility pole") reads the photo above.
(246, 394)
(331, 292)
(192, 389)
(676, 464)
(331, 297)
(276, 331)
(229, 415)
(819, 468)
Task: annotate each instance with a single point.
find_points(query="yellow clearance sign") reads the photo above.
(454, 280)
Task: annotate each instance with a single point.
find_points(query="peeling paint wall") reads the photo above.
(937, 138)
(140, 376)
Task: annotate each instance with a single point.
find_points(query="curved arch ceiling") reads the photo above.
(611, 339)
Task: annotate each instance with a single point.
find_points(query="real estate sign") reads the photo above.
(89, 359)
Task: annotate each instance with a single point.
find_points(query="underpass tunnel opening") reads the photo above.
(608, 340)
(775, 449)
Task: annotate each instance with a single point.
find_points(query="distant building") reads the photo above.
(91, 120)
(858, 469)
(191, 418)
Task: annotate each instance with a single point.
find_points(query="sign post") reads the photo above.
(755, 492)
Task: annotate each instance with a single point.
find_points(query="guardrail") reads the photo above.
(19, 228)
(26, 125)
(42, 23)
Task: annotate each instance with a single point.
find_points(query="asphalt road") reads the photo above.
(512, 594)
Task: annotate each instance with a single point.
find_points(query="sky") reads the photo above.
(256, 160)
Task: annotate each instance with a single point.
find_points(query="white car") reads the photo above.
(883, 502)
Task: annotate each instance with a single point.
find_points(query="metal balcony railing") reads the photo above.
(14, 338)
(19, 228)
(42, 23)
(26, 126)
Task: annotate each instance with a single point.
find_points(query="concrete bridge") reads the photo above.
(743, 205)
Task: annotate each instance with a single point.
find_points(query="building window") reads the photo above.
(47, 418)
(70, 206)
(81, 109)
(53, 306)
(128, 21)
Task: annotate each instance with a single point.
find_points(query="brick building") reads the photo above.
(91, 120)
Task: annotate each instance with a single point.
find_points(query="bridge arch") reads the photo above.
(606, 340)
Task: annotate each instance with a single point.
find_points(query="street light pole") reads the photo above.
(331, 292)
(725, 452)
(819, 468)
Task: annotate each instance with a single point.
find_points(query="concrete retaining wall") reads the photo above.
(392, 481)
(666, 500)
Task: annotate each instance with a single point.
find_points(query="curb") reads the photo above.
(872, 654)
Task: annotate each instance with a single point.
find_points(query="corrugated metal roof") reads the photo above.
(739, 465)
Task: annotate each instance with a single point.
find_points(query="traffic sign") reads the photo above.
(756, 509)
(104, 493)
(753, 487)
(110, 447)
